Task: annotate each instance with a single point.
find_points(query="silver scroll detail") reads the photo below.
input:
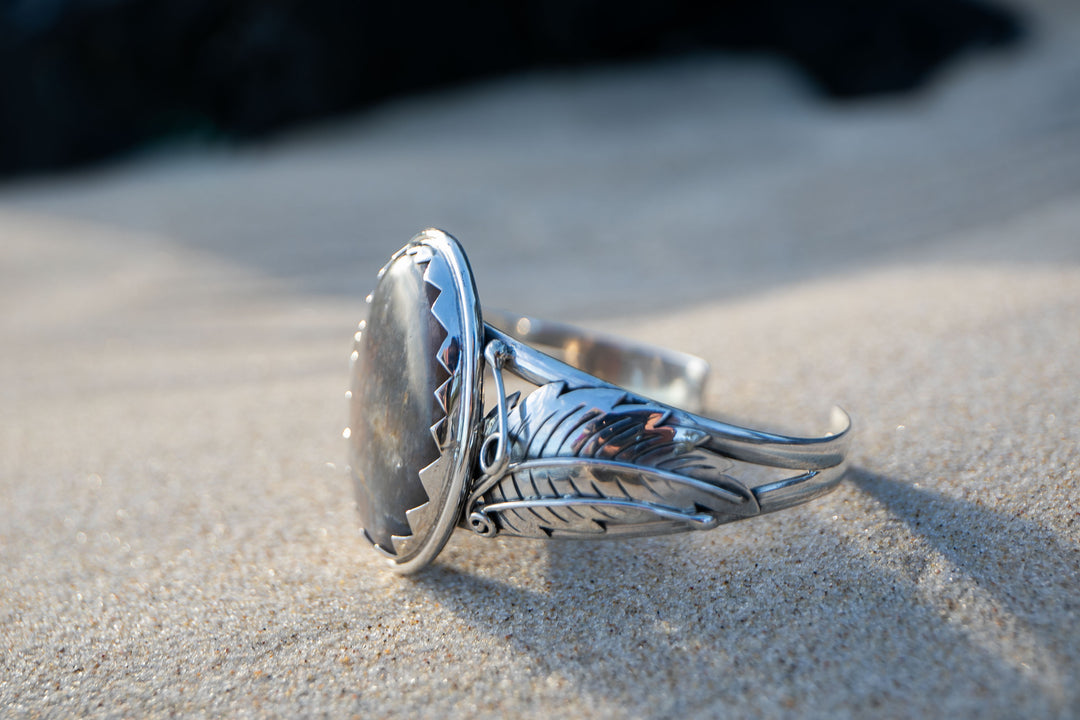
(599, 461)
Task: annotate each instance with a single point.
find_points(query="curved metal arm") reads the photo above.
(672, 377)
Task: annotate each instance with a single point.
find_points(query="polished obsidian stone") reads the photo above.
(393, 406)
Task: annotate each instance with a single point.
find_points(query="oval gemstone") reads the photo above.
(393, 407)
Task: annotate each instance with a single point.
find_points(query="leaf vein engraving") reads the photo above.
(590, 461)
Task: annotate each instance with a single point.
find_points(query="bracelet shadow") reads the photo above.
(777, 632)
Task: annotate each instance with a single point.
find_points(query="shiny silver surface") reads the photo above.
(611, 442)
(588, 458)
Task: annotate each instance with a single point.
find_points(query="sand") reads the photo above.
(178, 536)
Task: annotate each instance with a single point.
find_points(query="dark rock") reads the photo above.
(84, 79)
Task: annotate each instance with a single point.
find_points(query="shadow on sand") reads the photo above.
(783, 627)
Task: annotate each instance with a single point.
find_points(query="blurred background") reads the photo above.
(84, 79)
(768, 140)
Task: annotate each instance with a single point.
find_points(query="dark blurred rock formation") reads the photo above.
(83, 79)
